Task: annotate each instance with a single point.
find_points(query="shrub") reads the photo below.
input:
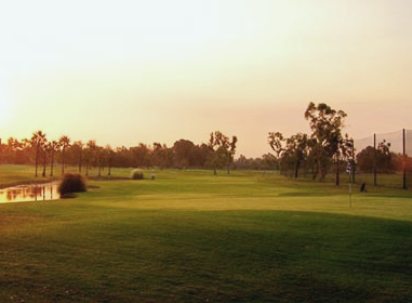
(72, 183)
(137, 174)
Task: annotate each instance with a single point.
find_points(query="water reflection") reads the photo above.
(35, 192)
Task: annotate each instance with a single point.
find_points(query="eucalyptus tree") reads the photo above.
(64, 142)
(230, 151)
(297, 148)
(213, 146)
(223, 150)
(37, 140)
(276, 142)
(345, 152)
(326, 125)
(290, 152)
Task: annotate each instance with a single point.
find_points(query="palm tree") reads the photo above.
(109, 154)
(79, 144)
(44, 148)
(53, 146)
(91, 147)
(99, 156)
(64, 142)
(37, 139)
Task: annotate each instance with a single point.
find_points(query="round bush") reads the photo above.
(137, 174)
(72, 183)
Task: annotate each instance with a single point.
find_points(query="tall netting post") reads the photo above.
(404, 185)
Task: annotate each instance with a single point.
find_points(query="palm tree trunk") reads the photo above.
(44, 164)
(80, 161)
(37, 160)
(63, 161)
(52, 164)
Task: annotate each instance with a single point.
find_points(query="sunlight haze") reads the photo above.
(125, 72)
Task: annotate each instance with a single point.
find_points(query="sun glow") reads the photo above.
(167, 63)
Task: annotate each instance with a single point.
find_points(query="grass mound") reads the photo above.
(137, 174)
(72, 183)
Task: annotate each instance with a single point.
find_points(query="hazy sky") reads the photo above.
(125, 72)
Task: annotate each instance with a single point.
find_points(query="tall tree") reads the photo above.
(276, 143)
(64, 142)
(99, 159)
(297, 148)
(183, 153)
(109, 155)
(91, 148)
(214, 147)
(223, 150)
(44, 149)
(52, 147)
(37, 141)
(230, 151)
(78, 146)
(344, 152)
(326, 125)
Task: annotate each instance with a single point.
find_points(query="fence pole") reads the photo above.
(375, 181)
(404, 185)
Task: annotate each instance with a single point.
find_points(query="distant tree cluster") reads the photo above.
(382, 159)
(218, 153)
(266, 162)
(319, 151)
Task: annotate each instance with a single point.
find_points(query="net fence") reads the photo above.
(385, 159)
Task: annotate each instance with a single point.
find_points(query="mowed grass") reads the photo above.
(189, 236)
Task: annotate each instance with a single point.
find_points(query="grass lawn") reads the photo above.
(189, 236)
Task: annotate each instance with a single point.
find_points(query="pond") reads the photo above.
(30, 192)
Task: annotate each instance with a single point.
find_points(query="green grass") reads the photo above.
(189, 236)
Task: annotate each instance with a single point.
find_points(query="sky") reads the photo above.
(124, 72)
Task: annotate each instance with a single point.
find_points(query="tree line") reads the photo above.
(44, 154)
(324, 149)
